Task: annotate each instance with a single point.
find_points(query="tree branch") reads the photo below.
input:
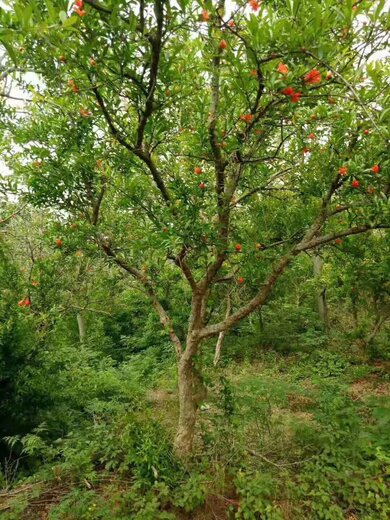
(257, 301)
(165, 320)
(155, 41)
(325, 239)
(141, 154)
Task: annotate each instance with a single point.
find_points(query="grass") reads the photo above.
(279, 438)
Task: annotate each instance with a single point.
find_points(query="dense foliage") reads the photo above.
(194, 260)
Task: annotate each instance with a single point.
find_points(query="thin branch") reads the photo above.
(144, 156)
(165, 320)
(319, 241)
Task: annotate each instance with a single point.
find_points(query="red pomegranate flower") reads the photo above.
(246, 117)
(294, 98)
(223, 44)
(78, 7)
(312, 77)
(205, 16)
(288, 91)
(376, 168)
(255, 5)
(282, 68)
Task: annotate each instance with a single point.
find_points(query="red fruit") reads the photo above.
(343, 170)
(306, 150)
(231, 23)
(312, 136)
(202, 185)
(366, 132)
(355, 184)
(288, 91)
(198, 170)
(240, 280)
(338, 241)
(59, 243)
(282, 68)
(238, 247)
(21, 303)
(376, 168)
(329, 76)
(205, 16)
(223, 44)
(312, 77)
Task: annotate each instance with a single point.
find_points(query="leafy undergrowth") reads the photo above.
(304, 436)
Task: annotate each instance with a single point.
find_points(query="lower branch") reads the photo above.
(165, 320)
(325, 239)
(257, 301)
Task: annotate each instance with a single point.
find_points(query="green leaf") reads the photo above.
(71, 21)
(62, 16)
(10, 51)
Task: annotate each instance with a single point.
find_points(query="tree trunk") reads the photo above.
(191, 392)
(188, 408)
(218, 347)
(221, 335)
(81, 325)
(322, 304)
(380, 320)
